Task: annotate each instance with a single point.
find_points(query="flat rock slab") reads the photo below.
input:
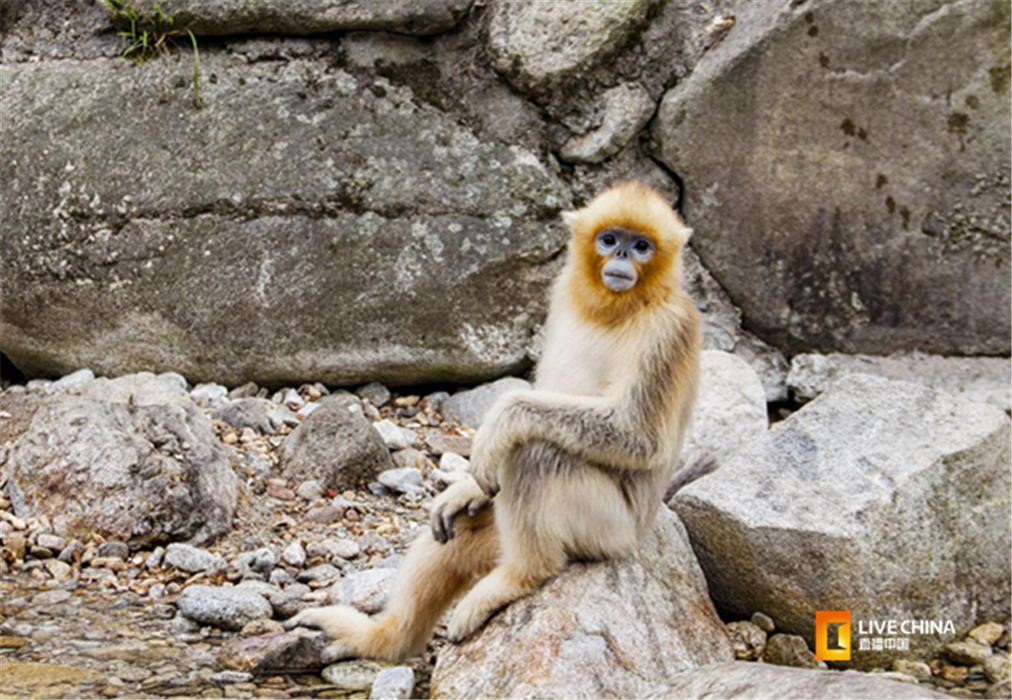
(817, 145)
(596, 630)
(884, 498)
(297, 650)
(979, 379)
(223, 17)
(758, 681)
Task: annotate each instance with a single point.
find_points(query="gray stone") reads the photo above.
(582, 634)
(453, 462)
(893, 220)
(113, 548)
(447, 241)
(393, 683)
(366, 590)
(375, 393)
(764, 622)
(998, 667)
(747, 639)
(192, 559)
(789, 650)
(250, 413)
(730, 410)
(540, 45)
(324, 573)
(74, 378)
(407, 480)
(130, 459)
(226, 608)
(336, 446)
(51, 541)
(409, 459)
(309, 490)
(225, 17)
(209, 395)
(51, 597)
(260, 587)
(356, 675)
(394, 437)
(300, 649)
(627, 109)
(471, 405)
(294, 554)
(288, 602)
(979, 379)
(744, 679)
(988, 633)
(967, 652)
(260, 561)
(878, 495)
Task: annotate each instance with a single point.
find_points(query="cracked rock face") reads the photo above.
(300, 224)
(583, 633)
(846, 170)
(896, 509)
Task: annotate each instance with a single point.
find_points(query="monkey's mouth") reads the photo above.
(618, 281)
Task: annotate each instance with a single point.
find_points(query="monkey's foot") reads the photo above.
(339, 622)
(468, 618)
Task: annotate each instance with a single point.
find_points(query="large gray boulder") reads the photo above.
(301, 224)
(131, 459)
(846, 171)
(884, 498)
(596, 630)
(978, 379)
(308, 16)
(758, 681)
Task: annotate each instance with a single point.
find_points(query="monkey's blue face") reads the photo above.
(622, 250)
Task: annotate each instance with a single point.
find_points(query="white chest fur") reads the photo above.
(577, 358)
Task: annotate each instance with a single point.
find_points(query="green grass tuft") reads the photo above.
(151, 36)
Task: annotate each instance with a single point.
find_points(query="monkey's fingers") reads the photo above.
(438, 528)
(448, 516)
(476, 506)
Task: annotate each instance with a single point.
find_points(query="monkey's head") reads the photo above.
(625, 252)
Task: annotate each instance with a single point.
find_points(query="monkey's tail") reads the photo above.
(700, 465)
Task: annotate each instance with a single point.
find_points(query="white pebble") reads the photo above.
(452, 462)
(393, 436)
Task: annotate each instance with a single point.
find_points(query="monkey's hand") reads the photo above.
(491, 445)
(464, 496)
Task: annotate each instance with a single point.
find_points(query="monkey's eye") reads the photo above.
(608, 240)
(641, 246)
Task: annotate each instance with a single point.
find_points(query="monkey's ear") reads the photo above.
(570, 217)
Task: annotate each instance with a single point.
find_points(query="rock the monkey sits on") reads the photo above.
(574, 469)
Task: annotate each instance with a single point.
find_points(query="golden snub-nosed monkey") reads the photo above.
(575, 468)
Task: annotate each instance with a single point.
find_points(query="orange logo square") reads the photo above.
(840, 650)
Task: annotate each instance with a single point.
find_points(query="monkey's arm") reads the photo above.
(627, 433)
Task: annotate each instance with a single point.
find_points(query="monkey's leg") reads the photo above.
(532, 543)
(431, 576)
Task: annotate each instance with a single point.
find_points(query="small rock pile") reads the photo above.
(977, 666)
(294, 542)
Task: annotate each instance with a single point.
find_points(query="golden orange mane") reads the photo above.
(634, 206)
